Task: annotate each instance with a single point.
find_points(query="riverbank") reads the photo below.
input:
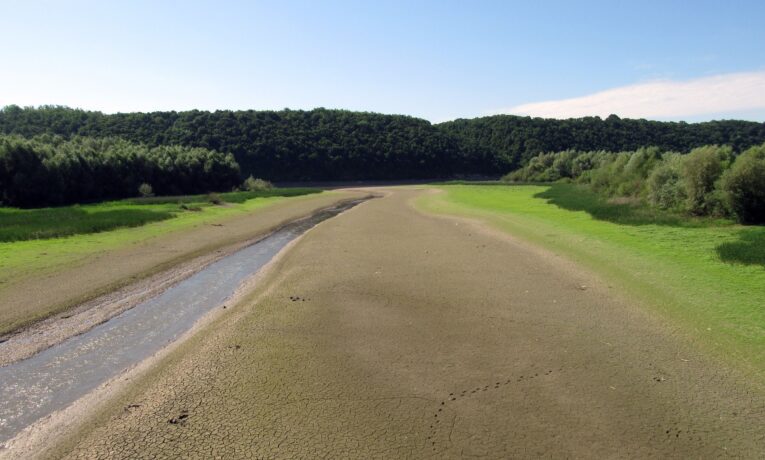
(684, 271)
(44, 278)
(386, 332)
(54, 330)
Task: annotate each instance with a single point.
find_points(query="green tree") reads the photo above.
(701, 169)
(145, 190)
(744, 186)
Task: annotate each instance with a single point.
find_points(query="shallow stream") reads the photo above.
(52, 379)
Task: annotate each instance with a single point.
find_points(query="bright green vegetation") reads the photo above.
(707, 276)
(19, 258)
(28, 224)
(709, 181)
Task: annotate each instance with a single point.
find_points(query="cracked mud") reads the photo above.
(425, 337)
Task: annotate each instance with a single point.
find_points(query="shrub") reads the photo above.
(642, 162)
(214, 198)
(255, 185)
(744, 186)
(665, 184)
(609, 179)
(145, 190)
(701, 170)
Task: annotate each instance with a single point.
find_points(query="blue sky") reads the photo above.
(692, 60)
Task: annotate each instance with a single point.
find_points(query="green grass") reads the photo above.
(706, 276)
(19, 259)
(230, 197)
(29, 224)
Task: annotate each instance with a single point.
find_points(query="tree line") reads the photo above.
(321, 144)
(55, 155)
(709, 181)
(276, 145)
(49, 170)
(514, 140)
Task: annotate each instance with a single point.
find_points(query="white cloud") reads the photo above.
(662, 99)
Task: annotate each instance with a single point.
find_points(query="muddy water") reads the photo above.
(51, 380)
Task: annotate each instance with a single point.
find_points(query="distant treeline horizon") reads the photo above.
(340, 145)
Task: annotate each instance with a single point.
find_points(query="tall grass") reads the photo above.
(29, 224)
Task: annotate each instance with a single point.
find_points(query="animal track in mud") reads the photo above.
(180, 419)
(466, 393)
(675, 433)
(659, 374)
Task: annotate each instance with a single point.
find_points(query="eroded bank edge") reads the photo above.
(81, 317)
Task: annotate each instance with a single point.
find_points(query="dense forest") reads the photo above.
(515, 140)
(285, 146)
(55, 155)
(50, 170)
(322, 144)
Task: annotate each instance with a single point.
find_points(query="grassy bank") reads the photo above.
(75, 232)
(42, 277)
(30, 224)
(706, 276)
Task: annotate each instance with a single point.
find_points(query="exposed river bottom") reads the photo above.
(52, 379)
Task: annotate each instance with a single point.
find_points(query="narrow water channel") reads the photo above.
(51, 380)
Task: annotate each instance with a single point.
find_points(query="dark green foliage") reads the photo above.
(29, 224)
(701, 183)
(744, 186)
(666, 189)
(279, 146)
(49, 170)
(701, 170)
(511, 141)
(624, 174)
(325, 144)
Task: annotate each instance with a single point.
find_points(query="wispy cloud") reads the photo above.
(662, 99)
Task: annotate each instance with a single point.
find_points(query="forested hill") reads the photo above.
(285, 145)
(515, 140)
(325, 144)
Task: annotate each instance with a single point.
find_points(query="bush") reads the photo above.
(701, 170)
(257, 185)
(665, 184)
(744, 186)
(145, 190)
(214, 198)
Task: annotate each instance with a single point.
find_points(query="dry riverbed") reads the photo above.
(71, 299)
(384, 332)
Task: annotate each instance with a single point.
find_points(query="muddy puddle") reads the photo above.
(54, 378)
